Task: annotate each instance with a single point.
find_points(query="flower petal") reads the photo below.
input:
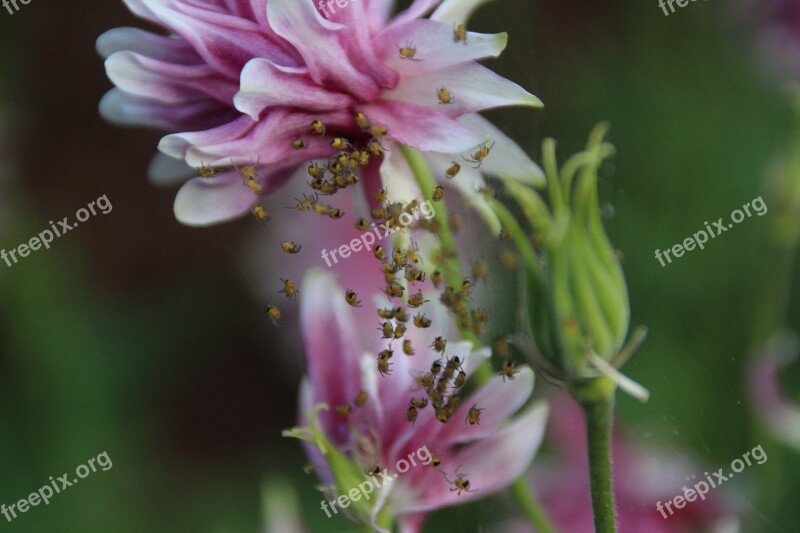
(204, 202)
(170, 83)
(499, 399)
(224, 40)
(472, 86)
(317, 41)
(435, 47)
(265, 84)
(142, 42)
(166, 170)
(124, 109)
(330, 337)
(507, 159)
(422, 128)
(489, 465)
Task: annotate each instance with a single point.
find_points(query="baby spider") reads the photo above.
(411, 414)
(474, 415)
(362, 121)
(361, 399)
(299, 144)
(260, 213)
(439, 344)
(375, 148)
(416, 300)
(318, 127)
(479, 155)
(453, 170)
(509, 370)
(408, 51)
(407, 348)
(460, 483)
(340, 144)
(421, 321)
(438, 194)
(383, 367)
(315, 171)
(274, 314)
(445, 96)
(206, 171)
(290, 247)
(387, 330)
(352, 298)
(460, 34)
(289, 288)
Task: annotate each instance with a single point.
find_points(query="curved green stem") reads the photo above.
(597, 400)
(531, 507)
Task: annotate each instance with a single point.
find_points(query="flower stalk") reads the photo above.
(596, 397)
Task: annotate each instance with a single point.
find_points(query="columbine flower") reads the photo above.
(349, 438)
(241, 83)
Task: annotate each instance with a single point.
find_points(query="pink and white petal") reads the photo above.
(166, 171)
(330, 336)
(378, 13)
(225, 41)
(422, 128)
(125, 109)
(507, 159)
(499, 399)
(204, 202)
(161, 47)
(317, 41)
(270, 141)
(178, 144)
(418, 9)
(141, 10)
(457, 11)
(435, 47)
(265, 84)
(473, 87)
(489, 465)
(361, 49)
(170, 83)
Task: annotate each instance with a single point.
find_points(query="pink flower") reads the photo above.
(342, 350)
(240, 81)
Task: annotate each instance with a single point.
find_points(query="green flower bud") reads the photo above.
(581, 311)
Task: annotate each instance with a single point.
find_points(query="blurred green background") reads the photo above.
(137, 336)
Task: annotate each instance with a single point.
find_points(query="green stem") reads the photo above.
(597, 400)
(450, 266)
(453, 276)
(531, 507)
